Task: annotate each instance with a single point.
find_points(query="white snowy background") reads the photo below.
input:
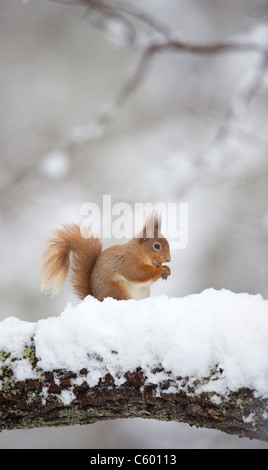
(57, 73)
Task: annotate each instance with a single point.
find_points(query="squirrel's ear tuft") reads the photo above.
(157, 219)
(144, 236)
(145, 233)
(152, 226)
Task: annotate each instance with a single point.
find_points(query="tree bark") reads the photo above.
(42, 402)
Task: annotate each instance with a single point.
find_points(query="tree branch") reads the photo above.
(97, 361)
(44, 402)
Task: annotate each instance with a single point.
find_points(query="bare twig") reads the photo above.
(120, 6)
(244, 96)
(152, 47)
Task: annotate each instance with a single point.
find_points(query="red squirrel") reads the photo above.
(123, 271)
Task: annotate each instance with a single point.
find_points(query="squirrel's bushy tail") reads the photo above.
(57, 259)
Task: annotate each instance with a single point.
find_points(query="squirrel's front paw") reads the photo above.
(165, 272)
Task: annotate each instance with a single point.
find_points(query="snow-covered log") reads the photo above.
(201, 359)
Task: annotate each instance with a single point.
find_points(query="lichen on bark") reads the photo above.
(41, 401)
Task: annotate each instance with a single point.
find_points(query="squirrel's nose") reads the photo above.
(167, 260)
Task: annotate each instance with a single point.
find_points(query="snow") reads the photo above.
(67, 396)
(258, 35)
(189, 337)
(92, 130)
(14, 334)
(24, 370)
(55, 164)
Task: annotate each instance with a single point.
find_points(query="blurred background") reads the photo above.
(82, 116)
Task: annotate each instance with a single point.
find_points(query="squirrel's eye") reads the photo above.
(157, 246)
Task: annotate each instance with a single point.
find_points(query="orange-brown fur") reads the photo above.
(56, 260)
(121, 271)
